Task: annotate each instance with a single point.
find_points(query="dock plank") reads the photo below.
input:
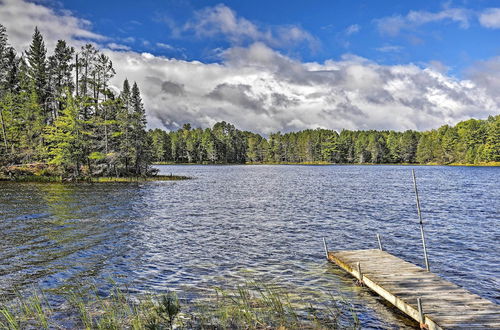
(445, 304)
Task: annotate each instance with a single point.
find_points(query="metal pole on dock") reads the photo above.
(421, 312)
(358, 265)
(379, 243)
(326, 247)
(421, 222)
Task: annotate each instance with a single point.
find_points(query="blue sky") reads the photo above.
(276, 65)
(338, 27)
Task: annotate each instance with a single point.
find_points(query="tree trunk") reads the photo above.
(76, 69)
(4, 131)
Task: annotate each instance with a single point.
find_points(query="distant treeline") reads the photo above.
(471, 141)
(58, 110)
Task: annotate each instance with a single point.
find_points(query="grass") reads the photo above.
(140, 179)
(58, 179)
(249, 306)
(478, 164)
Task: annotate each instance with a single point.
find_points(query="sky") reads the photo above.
(270, 66)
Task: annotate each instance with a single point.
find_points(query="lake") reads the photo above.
(231, 224)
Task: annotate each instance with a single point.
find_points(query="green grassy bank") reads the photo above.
(44, 173)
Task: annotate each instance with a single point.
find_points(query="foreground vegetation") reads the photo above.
(469, 142)
(250, 306)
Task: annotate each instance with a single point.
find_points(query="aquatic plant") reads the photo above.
(249, 306)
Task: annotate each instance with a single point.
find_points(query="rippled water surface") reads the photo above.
(235, 223)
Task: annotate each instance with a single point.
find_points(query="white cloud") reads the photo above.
(393, 25)
(390, 49)
(260, 89)
(352, 29)
(223, 21)
(20, 18)
(487, 75)
(490, 18)
(438, 66)
(165, 46)
(115, 46)
(128, 40)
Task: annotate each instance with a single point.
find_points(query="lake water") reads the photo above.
(231, 224)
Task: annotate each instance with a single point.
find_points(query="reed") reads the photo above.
(249, 306)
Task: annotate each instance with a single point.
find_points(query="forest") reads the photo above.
(59, 112)
(469, 142)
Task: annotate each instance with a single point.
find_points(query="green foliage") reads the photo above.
(472, 142)
(167, 310)
(59, 110)
(37, 64)
(65, 147)
(491, 148)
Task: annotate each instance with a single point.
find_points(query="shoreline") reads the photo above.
(488, 164)
(56, 179)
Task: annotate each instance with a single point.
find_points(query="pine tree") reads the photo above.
(86, 64)
(4, 59)
(30, 118)
(64, 138)
(124, 117)
(37, 62)
(4, 49)
(139, 136)
(61, 78)
(12, 72)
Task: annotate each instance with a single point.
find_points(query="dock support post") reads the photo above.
(326, 248)
(379, 243)
(421, 314)
(421, 222)
(358, 264)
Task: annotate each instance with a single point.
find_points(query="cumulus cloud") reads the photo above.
(223, 21)
(487, 75)
(172, 88)
(490, 18)
(20, 17)
(260, 89)
(393, 25)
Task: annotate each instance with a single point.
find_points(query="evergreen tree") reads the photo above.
(4, 49)
(94, 133)
(64, 138)
(4, 59)
(37, 62)
(138, 132)
(61, 78)
(124, 116)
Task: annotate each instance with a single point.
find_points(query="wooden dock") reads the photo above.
(443, 305)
